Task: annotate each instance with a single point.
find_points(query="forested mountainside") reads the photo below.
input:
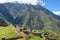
(29, 16)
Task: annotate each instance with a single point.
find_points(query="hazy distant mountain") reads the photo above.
(30, 16)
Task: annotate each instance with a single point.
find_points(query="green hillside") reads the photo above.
(31, 16)
(6, 31)
(34, 17)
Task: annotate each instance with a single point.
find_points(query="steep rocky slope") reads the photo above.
(30, 16)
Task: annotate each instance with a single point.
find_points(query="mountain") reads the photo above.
(29, 16)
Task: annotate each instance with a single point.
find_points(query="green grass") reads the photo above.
(6, 32)
(33, 37)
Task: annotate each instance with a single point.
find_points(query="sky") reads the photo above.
(52, 5)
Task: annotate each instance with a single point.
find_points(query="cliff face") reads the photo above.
(30, 16)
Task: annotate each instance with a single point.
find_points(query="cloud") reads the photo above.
(2, 1)
(56, 12)
(41, 2)
(33, 2)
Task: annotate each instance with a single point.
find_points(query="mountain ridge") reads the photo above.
(30, 16)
